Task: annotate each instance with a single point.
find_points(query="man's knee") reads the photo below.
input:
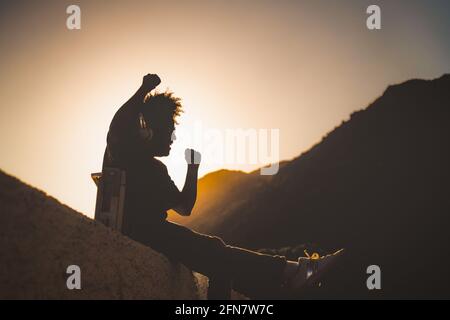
(218, 256)
(214, 248)
(217, 242)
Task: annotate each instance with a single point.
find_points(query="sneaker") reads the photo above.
(312, 268)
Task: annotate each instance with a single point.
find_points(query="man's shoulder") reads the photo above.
(152, 171)
(140, 165)
(158, 164)
(152, 165)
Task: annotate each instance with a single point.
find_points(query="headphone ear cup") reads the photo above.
(149, 134)
(145, 131)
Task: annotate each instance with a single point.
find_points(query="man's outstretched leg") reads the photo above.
(251, 273)
(246, 271)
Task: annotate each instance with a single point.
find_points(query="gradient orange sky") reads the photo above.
(298, 66)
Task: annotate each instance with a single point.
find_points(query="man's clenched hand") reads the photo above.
(150, 82)
(192, 156)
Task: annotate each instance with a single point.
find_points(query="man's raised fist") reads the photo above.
(150, 82)
(192, 156)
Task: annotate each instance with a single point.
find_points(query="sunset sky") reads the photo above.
(298, 66)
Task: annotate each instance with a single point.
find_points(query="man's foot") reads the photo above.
(311, 269)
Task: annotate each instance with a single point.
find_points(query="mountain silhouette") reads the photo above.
(377, 185)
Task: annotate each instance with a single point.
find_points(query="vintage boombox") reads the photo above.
(111, 183)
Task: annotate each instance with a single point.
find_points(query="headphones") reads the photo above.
(145, 132)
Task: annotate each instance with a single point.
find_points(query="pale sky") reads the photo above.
(298, 66)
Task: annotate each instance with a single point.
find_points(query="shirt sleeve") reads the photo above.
(172, 193)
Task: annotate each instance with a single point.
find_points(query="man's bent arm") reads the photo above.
(127, 114)
(189, 192)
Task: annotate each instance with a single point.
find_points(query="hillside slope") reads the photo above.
(40, 238)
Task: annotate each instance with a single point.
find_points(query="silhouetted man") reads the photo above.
(141, 130)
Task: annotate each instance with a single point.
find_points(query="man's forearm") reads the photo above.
(128, 112)
(189, 192)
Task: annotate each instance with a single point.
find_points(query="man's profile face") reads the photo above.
(162, 140)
